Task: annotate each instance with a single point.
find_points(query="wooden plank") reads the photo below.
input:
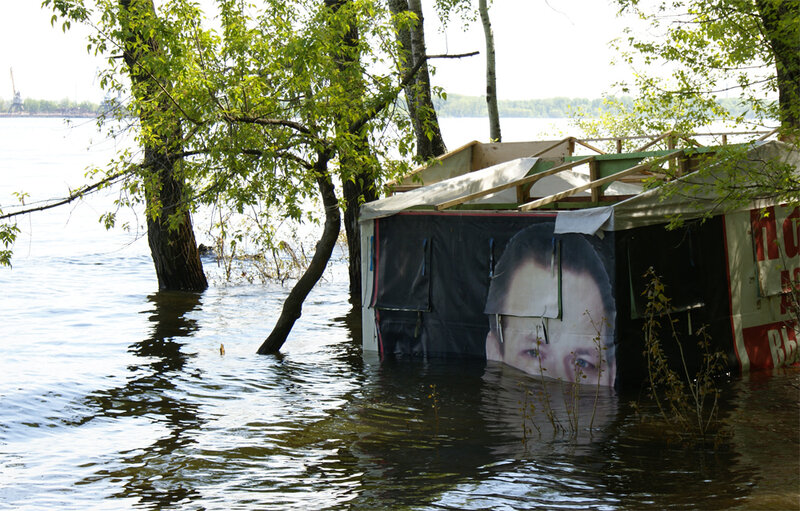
(519, 182)
(594, 184)
(589, 146)
(654, 141)
(764, 137)
(551, 147)
(486, 155)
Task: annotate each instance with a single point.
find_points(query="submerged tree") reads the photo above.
(145, 51)
(271, 110)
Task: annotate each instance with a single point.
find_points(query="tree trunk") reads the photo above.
(355, 194)
(361, 188)
(293, 305)
(418, 94)
(169, 224)
(174, 249)
(491, 74)
(781, 21)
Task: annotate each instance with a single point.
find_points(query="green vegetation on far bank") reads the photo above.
(457, 105)
(45, 107)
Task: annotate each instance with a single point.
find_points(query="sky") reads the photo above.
(544, 49)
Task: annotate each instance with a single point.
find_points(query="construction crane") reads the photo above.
(16, 103)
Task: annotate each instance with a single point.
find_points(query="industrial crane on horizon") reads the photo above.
(16, 103)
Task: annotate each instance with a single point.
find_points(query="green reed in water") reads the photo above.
(687, 404)
(570, 392)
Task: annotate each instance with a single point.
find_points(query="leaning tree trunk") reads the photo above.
(784, 39)
(293, 305)
(491, 74)
(169, 224)
(418, 92)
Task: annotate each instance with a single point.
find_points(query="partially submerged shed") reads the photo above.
(535, 257)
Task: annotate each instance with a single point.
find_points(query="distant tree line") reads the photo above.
(53, 107)
(457, 105)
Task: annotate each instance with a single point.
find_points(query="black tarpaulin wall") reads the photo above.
(432, 274)
(692, 264)
(431, 278)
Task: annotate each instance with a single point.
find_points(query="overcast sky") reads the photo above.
(544, 49)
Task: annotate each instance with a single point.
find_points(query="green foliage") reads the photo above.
(244, 99)
(687, 404)
(692, 51)
(8, 234)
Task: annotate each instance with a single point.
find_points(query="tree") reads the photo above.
(133, 28)
(169, 223)
(410, 30)
(491, 74)
(464, 10)
(362, 186)
(275, 109)
(747, 46)
(709, 48)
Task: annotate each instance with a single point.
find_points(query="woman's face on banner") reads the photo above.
(570, 348)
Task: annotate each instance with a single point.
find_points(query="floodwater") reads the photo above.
(116, 396)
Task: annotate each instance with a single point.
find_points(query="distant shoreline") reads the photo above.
(62, 115)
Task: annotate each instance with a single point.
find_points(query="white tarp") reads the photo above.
(450, 189)
(591, 221)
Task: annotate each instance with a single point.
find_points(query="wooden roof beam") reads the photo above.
(511, 184)
(553, 146)
(599, 182)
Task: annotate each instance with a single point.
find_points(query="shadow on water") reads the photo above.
(152, 393)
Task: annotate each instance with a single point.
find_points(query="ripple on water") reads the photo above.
(114, 396)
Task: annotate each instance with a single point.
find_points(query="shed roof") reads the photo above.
(530, 183)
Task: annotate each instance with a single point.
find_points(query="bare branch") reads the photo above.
(71, 197)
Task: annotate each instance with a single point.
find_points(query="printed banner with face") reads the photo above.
(551, 307)
(498, 285)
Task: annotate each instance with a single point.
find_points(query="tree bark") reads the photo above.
(781, 21)
(173, 249)
(424, 120)
(169, 225)
(361, 188)
(491, 74)
(293, 305)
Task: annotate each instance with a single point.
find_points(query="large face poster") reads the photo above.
(551, 308)
(763, 264)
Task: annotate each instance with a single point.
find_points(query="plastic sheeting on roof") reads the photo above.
(653, 207)
(451, 189)
(591, 221)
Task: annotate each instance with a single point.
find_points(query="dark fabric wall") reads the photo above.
(432, 278)
(692, 264)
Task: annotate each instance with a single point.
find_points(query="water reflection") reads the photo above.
(150, 474)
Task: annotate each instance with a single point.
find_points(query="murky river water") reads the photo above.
(113, 396)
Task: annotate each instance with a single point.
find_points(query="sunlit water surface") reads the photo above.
(113, 395)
